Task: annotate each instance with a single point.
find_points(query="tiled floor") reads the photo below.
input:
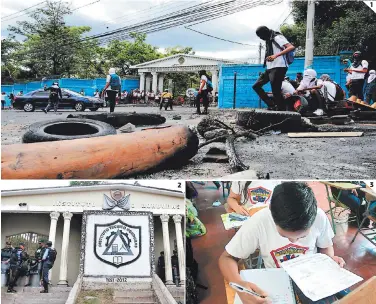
(360, 256)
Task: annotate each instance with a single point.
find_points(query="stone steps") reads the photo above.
(32, 295)
(134, 296)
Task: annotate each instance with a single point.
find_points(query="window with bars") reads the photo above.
(30, 239)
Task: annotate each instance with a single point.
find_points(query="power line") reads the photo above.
(246, 44)
(91, 3)
(4, 17)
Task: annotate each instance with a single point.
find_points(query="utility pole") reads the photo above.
(260, 48)
(309, 34)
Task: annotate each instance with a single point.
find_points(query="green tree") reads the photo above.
(339, 25)
(9, 66)
(124, 54)
(50, 46)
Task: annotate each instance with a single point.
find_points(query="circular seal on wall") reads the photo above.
(181, 60)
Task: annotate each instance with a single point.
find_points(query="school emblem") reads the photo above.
(117, 243)
(259, 195)
(117, 199)
(288, 252)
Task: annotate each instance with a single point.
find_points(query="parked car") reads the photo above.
(71, 100)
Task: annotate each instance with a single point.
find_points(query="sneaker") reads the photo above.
(44, 291)
(11, 291)
(319, 112)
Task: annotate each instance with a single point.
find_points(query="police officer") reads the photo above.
(48, 260)
(18, 257)
(161, 267)
(55, 93)
(175, 267)
(39, 254)
(6, 253)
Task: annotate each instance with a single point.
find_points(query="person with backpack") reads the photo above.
(48, 260)
(331, 90)
(54, 98)
(358, 70)
(206, 86)
(113, 88)
(278, 56)
(18, 259)
(6, 253)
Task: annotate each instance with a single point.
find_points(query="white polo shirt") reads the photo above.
(260, 231)
(356, 75)
(279, 62)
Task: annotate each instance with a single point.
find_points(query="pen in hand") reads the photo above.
(240, 288)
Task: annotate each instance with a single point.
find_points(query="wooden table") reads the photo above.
(332, 199)
(364, 294)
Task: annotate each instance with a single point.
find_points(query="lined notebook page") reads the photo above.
(275, 281)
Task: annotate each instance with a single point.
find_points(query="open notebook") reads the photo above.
(275, 281)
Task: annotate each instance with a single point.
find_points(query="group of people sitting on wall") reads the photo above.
(17, 263)
(308, 92)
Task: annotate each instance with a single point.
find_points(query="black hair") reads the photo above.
(293, 206)
(203, 72)
(245, 192)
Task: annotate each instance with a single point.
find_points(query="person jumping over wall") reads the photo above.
(276, 63)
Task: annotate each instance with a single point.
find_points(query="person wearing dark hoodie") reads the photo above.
(276, 65)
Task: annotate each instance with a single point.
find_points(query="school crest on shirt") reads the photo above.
(259, 195)
(288, 252)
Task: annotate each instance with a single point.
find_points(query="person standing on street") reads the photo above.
(6, 253)
(38, 256)
(370, 90)
(203, 92)
(276, 63)
(18, 257)
(48, 260)
(113, 88)
(358, 70)
(55, 97)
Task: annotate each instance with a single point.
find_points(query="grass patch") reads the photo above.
(104, 296)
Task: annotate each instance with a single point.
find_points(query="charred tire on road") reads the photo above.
(66, 129)
(258, 119)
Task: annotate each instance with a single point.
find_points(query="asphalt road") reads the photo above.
(278, 155)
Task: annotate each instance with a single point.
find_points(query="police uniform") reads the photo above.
(55, 93)
(48, 259)
(5, 266)
(18, 257)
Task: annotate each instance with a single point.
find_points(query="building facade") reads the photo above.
(57, 214)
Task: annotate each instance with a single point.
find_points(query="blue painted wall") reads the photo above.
(248, 74)
(89, 86)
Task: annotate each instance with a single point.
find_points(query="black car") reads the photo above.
(71, 100)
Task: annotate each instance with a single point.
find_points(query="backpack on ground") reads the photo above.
(115, 82)
(289, 57)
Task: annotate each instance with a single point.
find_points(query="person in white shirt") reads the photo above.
(96, 93)
(292, 226)
(358, 70)
(329, 89)
(246, 195)
(276, 66)
(3, 95)
(308, 87)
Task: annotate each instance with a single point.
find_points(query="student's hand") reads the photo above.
(250, 299)
(353, 191)
(341, 262)
(287, 95)
(239, 209)
(271, 58)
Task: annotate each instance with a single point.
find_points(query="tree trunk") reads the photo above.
(106, 157)
(235, 163)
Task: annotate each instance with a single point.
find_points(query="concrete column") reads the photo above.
(170, 84)
(160, 82)
(181, 252)
(64, 249)
(215, 81)
(148, 82)
(142, 81)
(154, 84)
(52, 235)
(167, 251)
